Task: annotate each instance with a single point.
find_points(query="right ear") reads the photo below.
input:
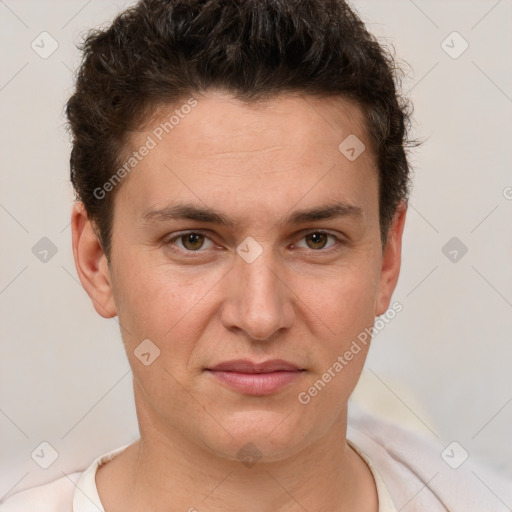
(91, 262)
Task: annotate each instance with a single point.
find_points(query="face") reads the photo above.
(246, 235)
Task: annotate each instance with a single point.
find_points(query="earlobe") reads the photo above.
(91, 262)
(391, 260)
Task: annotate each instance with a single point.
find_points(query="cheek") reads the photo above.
(344, 305)
(342, 299)
(157, 302)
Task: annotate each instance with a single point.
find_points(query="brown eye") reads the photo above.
(188, 242)
(316, 240)
(319, 241)
(192, 241)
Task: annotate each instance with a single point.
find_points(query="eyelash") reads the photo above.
(178, 236)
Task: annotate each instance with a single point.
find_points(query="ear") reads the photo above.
(91, 262)
(391, 260)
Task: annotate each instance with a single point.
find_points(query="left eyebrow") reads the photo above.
(203, 214)
(330, 211)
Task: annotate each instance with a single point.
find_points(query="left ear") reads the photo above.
(391, 260)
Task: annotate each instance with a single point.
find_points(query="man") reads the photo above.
(242, 184)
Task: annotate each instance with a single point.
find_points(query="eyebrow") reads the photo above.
(190, 211)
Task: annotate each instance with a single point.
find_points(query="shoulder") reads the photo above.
(56, 496)
(60, 495)
(422, 474)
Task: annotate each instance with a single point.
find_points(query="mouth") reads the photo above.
(251, 378)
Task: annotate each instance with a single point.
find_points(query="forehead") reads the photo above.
(265, 154)
(219, 124)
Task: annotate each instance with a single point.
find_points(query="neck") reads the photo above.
(167, 469)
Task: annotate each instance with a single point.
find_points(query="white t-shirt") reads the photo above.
(411, 475)
(86, 498)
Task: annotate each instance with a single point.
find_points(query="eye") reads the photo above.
(191, 241)
(317, 240)
(195, 241)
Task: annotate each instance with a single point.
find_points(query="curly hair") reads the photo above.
(160, 51)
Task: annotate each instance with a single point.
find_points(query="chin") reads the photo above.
(258, 435)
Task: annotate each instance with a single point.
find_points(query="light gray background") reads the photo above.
(443, 364)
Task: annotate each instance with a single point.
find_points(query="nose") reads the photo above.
(259, 301)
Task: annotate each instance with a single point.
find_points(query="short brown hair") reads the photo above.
(160, 51)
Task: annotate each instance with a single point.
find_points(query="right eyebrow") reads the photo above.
(189, 212)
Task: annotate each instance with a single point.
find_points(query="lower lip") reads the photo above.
(256, 383)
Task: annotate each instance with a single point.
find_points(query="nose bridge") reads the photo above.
(260, 303)
(260, 277)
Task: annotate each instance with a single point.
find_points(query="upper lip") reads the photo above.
(247, 366)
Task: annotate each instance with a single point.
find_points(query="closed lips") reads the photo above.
(246, 366)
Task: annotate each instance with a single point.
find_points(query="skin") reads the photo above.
(304, 303)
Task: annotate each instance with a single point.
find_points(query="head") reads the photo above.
(241, 182)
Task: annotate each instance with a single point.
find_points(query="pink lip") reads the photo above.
(256, 378)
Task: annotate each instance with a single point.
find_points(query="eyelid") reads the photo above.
(179, 234)
(339, 240)
(301, 234)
